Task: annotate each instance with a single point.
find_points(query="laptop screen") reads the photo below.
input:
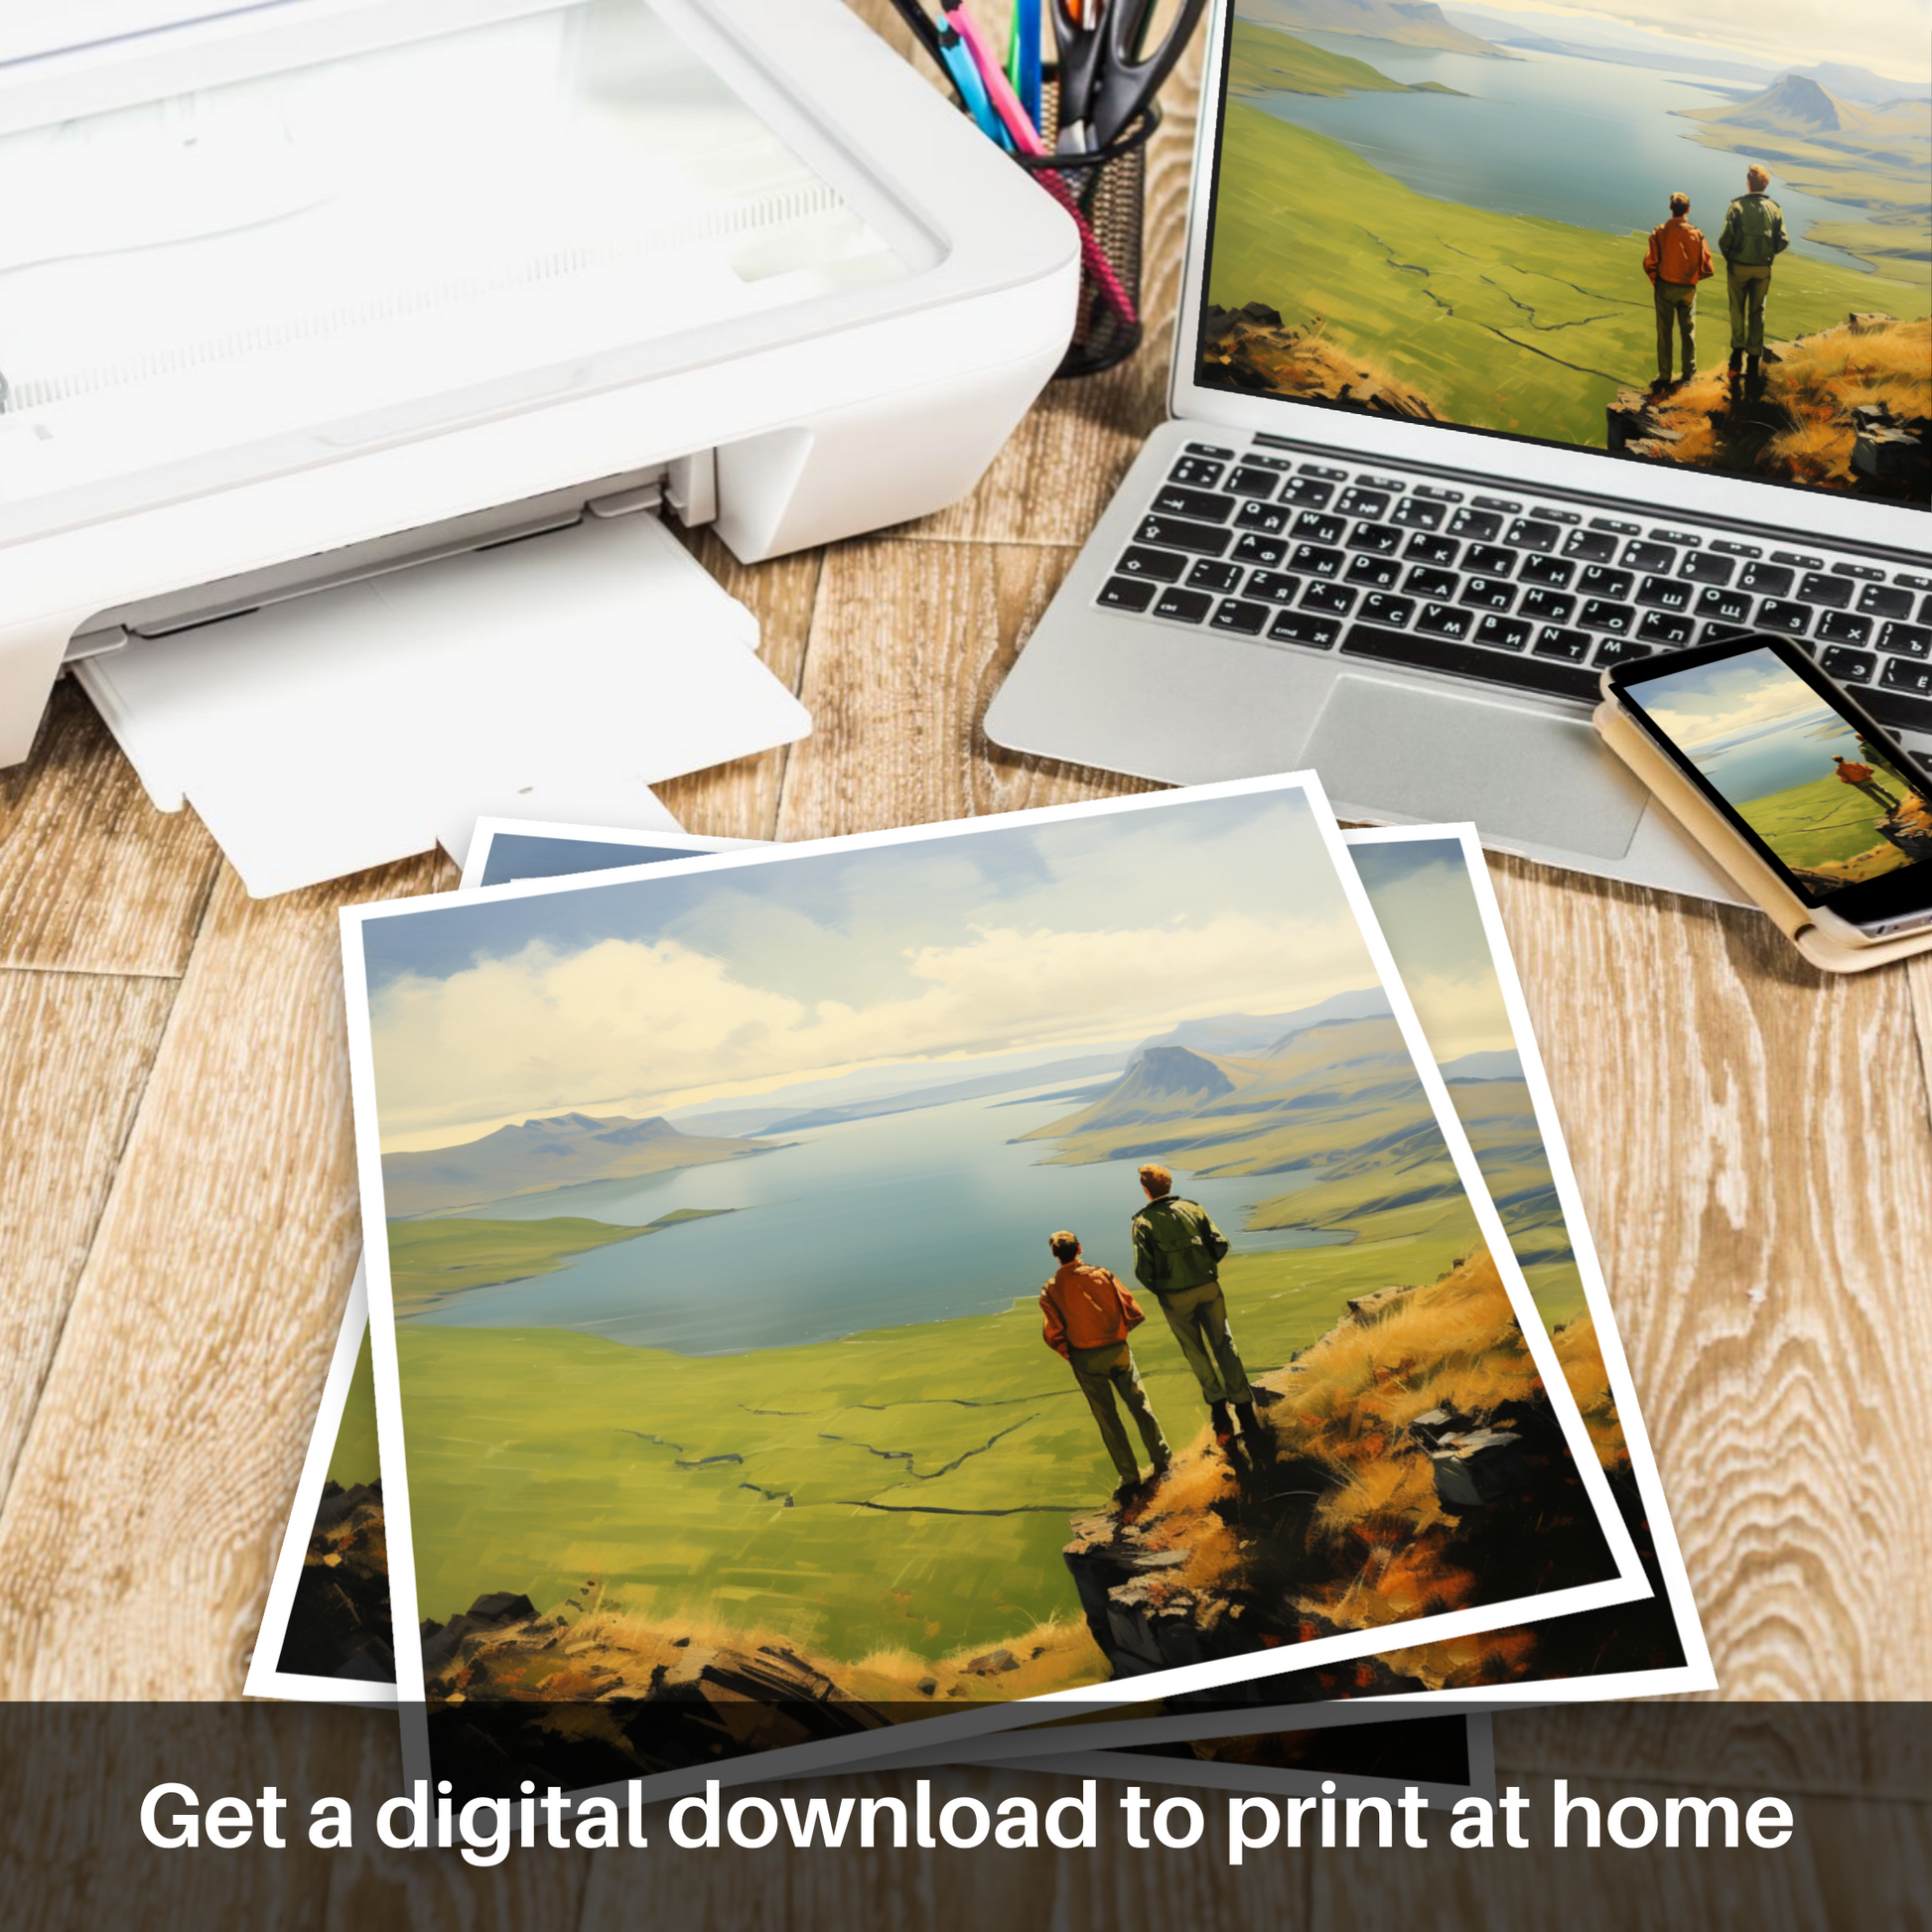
(1694, 234)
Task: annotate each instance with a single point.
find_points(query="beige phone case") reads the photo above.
(1734, 854)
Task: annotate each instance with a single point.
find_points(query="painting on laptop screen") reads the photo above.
(1695, 235)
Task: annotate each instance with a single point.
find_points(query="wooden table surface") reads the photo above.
(178, 1212)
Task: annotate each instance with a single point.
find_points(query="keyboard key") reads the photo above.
(1324, 470)
(1196, 472)
(1723, 633)
(1615, 527)
(1480, 525)
(1619, 650)
(1184, 607)
(1730, 549)
(1489, 560)
(1176, 533)
(1437, 653)
(1312, 527)
(1724, 606)
(1392, 484)
(1502, 633)
(1527, 533)
(1911, 581)
(1925, 611)
(1834, 592)
(1906, 639)
(1391, 611)
(1269, 518)
(1664, 594)
(1363, 502)
(1487, 594)
(1650, 556)
(1599, 582)
(1306, 493)
(1702, 567)
(1780, 614)
(1379, 572)
(1235, 613)
(1553, 571)
(1895, 709)
(1247, 480)
(1210, 448)
(1546, 607)
(1430, 582)
(1275, 585)
(1383, 539)
(1881, 600)
(1455, 497)
(1208, 574)
(1313, 561)
(1842, 627)
(1769, 580)
(1424, 549)
(1251, 548)
(1847, 666)
(1330, 599)
(1417, 513)
(1162, 565)
(1281, 464)
(1553, 642)
(1298, 627)
(1797, 560)
(1676, 536)
(1445, 621)
(1506, 504)
(1599, 613)
(1903, 674)
(1592, 546)
(1126, 592)
(1870, 573)
(1664, 627)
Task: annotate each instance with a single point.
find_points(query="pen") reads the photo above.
(1022, 57)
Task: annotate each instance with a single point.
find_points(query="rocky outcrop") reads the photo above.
(1252, 350)
(339, 1622)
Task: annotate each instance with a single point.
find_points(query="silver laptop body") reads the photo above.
(1243, 658)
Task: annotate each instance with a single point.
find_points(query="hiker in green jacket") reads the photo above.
(1177, 1254)
(1752, 239)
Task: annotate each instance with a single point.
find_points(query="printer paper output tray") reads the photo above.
(557, 677)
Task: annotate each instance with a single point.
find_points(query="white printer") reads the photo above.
(308, 307)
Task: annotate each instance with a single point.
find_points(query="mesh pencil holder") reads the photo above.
(1105, 191)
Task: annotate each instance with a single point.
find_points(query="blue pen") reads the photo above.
(972, 89)
(1025, 78)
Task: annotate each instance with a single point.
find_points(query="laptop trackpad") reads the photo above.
(1435, 755)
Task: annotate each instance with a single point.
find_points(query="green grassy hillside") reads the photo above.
(1504, 321)
(354, 1458)
(1262, 60)
(1821, 822)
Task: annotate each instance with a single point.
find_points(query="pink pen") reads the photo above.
(1025, 138)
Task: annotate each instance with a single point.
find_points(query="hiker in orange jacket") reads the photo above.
(1678, 260)
(1860, 779)
(1087, 1316)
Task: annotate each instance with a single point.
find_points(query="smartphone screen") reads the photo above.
(1825, 793)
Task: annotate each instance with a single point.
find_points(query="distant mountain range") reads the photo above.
(1408, 23)
(1506, 1065)
(536, 1156)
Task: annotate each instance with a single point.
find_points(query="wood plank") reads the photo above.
(1753, 1144)
(910, 643)
(75, 1055)
(137, 1536)
(1851, 1863)
(96, 879)
(945, 1889)
(740, 800)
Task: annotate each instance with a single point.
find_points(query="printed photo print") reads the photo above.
(1691, 235)
(1834, 807)
(914, 1276)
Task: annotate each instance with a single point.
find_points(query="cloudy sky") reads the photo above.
(635, 997)
(1420, 889)
(1888, 36)
(1711, 701)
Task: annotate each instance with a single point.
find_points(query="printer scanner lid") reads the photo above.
(245, 240)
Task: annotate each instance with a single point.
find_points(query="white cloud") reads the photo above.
(635, 1026)
(1461, 1016)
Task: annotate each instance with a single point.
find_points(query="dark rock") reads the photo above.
(993, 1663)
(1886, 453)
(1478, 1467)
(501, 1606)
(1870, 322)
(928, 1686)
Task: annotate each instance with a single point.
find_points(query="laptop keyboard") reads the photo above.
(1525, 594)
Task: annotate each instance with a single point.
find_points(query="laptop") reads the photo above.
(1423, 480)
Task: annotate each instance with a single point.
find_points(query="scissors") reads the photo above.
(1106, 73)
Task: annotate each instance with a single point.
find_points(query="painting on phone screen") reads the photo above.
(1835, 808)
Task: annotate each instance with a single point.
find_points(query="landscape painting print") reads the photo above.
(713, 1311)
(1691, 234)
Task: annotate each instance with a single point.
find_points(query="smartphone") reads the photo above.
(1830, 799)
